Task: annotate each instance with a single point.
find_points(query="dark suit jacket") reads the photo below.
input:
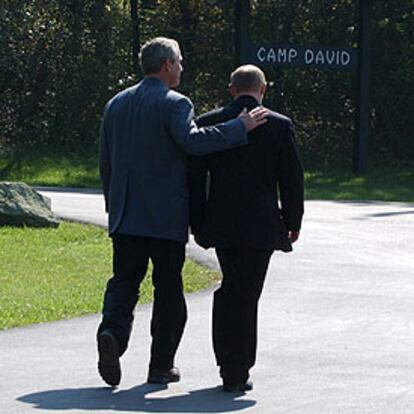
(234, 194)
(146, 134)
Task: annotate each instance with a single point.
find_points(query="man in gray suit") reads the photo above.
(146, 134)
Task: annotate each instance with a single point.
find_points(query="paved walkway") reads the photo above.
(336, 330)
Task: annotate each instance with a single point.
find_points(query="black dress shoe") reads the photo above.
(108, 365)
(158, 376)
(241, 387)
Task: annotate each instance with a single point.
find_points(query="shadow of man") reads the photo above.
(207, 400)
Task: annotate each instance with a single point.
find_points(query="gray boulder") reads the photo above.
(21, 205)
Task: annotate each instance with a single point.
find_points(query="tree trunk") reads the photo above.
(135, 37)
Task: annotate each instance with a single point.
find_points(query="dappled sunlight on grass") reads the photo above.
(65, 170)
(376, 185)
(56, 170)
(353, 181)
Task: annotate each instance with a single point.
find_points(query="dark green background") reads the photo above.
(61, 61)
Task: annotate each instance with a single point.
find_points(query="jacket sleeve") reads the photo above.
(201, 141)
(290, 177)
(104, 162)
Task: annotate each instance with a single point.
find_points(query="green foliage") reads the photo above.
(61, 61)
(49, 274)
(323, 102)
(393, 78)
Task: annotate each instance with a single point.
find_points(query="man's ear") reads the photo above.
(232, 91)
(263, 88)
(168, 65)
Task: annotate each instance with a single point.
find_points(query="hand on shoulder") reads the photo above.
(254, 118)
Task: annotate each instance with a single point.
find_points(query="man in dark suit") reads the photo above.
(234, 207)
(146, 134)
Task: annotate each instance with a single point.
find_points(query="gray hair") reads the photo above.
(247, 78)
(156, 51)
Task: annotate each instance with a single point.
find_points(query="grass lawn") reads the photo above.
(53, 170)
(378, 184)
(384, 184)
(50, 274)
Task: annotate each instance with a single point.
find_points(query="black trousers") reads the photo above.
(235, 310)
(131, 255)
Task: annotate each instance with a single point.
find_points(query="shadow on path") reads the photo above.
(207, 400)
(368, 203)
(394, 213)
(72, 190)
(383, 215)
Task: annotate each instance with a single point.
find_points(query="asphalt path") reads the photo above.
(336, 330)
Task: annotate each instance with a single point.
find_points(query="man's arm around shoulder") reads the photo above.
(201, 141)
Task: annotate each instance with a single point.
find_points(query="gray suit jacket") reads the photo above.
(146, 134)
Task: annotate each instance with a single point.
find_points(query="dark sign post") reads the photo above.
(242, 31)
(315, 56)
(362, 121)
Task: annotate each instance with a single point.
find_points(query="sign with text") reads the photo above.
(304, 56)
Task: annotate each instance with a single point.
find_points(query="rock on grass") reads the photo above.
(21, 205)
